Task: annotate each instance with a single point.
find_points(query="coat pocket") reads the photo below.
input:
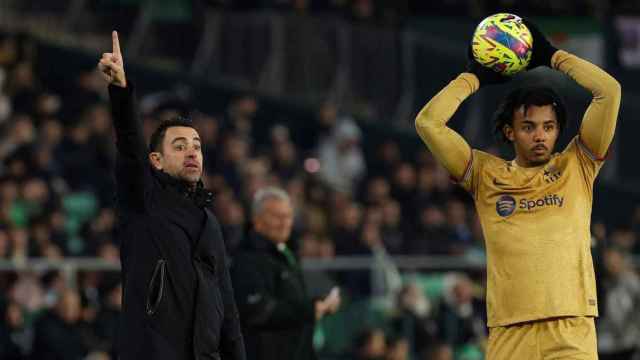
(155, 291)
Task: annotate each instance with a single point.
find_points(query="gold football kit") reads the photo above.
(535, 221)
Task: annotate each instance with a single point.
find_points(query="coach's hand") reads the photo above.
(485, 75)
(542, 50)
(111, 64)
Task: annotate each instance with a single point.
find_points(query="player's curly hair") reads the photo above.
(528, 96)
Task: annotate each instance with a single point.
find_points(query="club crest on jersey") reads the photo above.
(551, 174)
(505, 205)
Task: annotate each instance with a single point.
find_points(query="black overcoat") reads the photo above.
(177, 296)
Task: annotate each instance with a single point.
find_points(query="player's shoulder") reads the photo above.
(487, 160)
(574, 153)
(484, 166)
(572, 147)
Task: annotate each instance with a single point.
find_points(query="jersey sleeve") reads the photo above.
(446, 145)
(472, 177)
(599, 121)
(588, 163)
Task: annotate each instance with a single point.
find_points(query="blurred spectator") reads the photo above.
(78, 158)
(403, 189)
(285, 164)
(106, 322)
(342, 163)
(209, 131)
(440, 351)
(99, 231)
(384, 274)
(98, 356)
(623, 238)
(23, 88)
(378, 190)
(388, 158)
(460, 316)
(21, 132)
(241, 119)
(635, 226)
(86, 89)
(54, 286)
(398, 349)
(392, 229)
(461, 237)
(313, 246)
(20, 244)
(619, 322)
(413, 318)
(5, 244)
(371, 344)
(234, 154)
(15, 336)
(319, 130)
(5, 102)
(346, 229)
(57, 332)
(27, 292)
(430, 232)
(233, 222)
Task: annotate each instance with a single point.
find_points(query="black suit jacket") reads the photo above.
(177, 295)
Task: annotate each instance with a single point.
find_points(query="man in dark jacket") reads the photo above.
(57, 334)
(177, 295)
(277, 314)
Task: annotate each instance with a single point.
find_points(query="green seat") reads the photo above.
(468, 352)
(335, 334)
(431, 284)
(79, 208)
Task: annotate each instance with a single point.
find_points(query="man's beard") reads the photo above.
(189, 178)
(538, 162)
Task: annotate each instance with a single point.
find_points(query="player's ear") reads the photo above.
(507, 130)
(156, 160)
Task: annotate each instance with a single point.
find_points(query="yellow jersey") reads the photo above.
(536, 225)
(536, 221)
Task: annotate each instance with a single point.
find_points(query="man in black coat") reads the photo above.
(177, 296)
(57, 332)
(277, 314)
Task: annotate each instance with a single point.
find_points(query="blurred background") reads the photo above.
(316, 96)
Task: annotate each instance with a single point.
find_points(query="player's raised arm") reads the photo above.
(599, 121)
(130, 144)
(447, 146)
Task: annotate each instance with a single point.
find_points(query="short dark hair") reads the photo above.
(528, 96)
(155, 143)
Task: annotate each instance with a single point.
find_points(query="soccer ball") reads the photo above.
(503, 43)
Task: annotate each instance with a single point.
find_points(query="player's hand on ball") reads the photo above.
(485, 75)
(111, 65)
(542, 50)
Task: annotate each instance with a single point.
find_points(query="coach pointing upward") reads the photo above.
(177, 296)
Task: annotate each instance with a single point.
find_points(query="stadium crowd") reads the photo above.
(56, 201)
(384, 11)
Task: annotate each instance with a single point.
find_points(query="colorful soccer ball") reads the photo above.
(503, 43)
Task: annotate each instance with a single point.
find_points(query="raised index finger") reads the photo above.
(116, 44)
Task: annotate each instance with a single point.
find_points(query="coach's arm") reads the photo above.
(131, 162)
